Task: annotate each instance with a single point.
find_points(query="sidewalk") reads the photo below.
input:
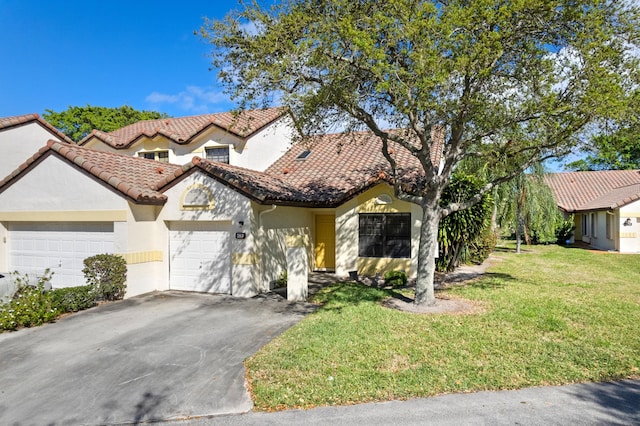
(609, 403)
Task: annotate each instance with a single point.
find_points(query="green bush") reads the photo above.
(482, 246)
(461, 229)
(73, 299)
(108, 273)
(564, 230)
(395, 278)
(282, 280)
(30, 305)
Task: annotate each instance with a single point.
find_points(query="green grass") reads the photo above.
(552, 315)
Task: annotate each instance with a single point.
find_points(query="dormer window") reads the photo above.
(218, 154)
(303, 155)
(162, 156)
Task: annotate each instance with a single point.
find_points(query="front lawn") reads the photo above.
(551, 315)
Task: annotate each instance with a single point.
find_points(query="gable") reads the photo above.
(19, 143)
(54, 185)
(201, 197)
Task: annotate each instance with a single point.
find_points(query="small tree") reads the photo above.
(527, 205)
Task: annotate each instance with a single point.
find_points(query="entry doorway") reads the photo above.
(325, 247)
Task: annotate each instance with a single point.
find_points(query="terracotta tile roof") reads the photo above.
(183, 130)
(21, 120)
(136, 178)
(259, 186)
(340, 166)
(598, 190)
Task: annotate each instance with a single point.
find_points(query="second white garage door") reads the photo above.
(200, 258)
(61, 247)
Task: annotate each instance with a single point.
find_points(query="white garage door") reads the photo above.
(200, 258)
(61, 247)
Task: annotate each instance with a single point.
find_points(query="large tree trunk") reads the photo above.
(426, 254)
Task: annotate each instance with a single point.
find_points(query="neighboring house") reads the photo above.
(605, 205)
(208, 226)
(253, 139)
(21, 136)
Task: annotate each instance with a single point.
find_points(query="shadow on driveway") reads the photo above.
(161, 356)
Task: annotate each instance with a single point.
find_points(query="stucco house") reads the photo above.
(209, 226)
(253, 139)
(21, 136)
(605, 205)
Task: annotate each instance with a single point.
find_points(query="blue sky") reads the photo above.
(57, 54)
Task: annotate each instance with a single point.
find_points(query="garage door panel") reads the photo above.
(200, 260)
(60, 247)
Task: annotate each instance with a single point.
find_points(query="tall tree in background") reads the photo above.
(510, 82)
(617, 147)
(77, 122)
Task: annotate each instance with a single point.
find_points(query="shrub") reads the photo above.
(482, 246)
(73, 299)
(282, 280)
(395, 278)
(564, 230)
(31, 304)
(108, 273)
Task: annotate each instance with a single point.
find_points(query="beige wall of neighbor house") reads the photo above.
(629, 228)
(19, 143)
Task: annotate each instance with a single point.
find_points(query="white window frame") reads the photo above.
(220, 147)
(156, 155)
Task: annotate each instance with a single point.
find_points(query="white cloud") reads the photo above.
(193, 99)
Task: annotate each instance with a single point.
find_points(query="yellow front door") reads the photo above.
(325, 241)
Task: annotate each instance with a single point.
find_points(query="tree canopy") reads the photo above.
(616, 146)
(77, 122)
(508, 82)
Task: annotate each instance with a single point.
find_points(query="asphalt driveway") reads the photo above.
(164, 356)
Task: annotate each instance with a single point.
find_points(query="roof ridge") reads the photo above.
(19, 120)
(185, 128)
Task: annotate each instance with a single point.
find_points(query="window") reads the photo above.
(385, 235)
(303, 155)
(162, 156)
(594, 224)
(610, 225)
(585, 226)
(218, 154)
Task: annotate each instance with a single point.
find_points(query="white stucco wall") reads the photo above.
(229, 209)
(277, 225)
(600, 240)
(54, 191)
(54, 185)
(17, 144)
(630, 235)
(266, 146)
(257, 152)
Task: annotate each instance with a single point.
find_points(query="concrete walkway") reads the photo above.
(613, 403)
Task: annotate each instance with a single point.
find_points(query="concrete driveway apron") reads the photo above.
(156, 357)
